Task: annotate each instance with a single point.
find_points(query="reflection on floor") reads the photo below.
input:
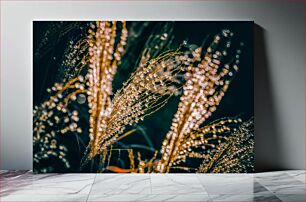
(271, 186)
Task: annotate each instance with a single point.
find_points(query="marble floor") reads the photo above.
(271, 186)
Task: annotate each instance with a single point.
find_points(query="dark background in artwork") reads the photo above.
(48, 56)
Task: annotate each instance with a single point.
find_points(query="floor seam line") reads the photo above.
(91, 187)
(210, 198)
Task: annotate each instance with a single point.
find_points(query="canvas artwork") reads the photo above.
(143, 97)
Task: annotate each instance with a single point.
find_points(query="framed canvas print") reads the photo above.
(143, 96)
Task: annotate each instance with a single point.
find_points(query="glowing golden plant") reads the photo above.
(206, 84)
(53, 117)
(104, 58)
(146, 91)
(235, 155)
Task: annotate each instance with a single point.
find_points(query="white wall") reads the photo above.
(279, 67)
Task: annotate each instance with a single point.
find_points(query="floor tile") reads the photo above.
(292, 197)
(282, 183)
(121, 184)
(271, 175)
(231, 198)
(14, 174)
(13, 180)
(266, 198)
(43, 198)
(175, 184)
(219, 184)
(298, 175)
(245, 198)
(260, 189)
(47, 184)
(148, 198)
